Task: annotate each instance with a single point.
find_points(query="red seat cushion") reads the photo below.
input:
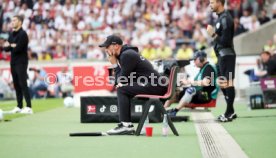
(212, 103)
(170, 88)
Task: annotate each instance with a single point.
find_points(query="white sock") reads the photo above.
(126, 124)
(188, 96)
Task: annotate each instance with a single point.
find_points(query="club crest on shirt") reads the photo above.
(141, 57)
(218, 25)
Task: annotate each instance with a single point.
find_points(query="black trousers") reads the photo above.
(20, 76)
(126, 93)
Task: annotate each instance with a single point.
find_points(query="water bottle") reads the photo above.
(146, 123)
(165, 128)
(258, 101)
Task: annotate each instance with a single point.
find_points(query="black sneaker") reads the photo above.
(122, 130)
(223, 118)
(172, 112)
(233, 116)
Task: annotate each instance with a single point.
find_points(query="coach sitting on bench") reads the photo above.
(202, 89)
(134, 75)
(269, 62)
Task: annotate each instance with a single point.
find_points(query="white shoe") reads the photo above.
(122, 130)
(27, 110)
(15, 110)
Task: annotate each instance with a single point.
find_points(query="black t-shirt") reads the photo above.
(224, 28)
(264, 20)
(210, 73)
(271, 66)
(19, 53)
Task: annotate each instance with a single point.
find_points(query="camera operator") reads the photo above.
(38, 83)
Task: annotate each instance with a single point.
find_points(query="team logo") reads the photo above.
(142, 58)
(218, 25)
(138, 108)
(102, 109)
(91, 109)
(113, 108)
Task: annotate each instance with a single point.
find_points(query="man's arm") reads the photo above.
(271, 68)
(128, 63)
(261, 73)
(7, 46)
(117, 71)
(208, 75)
(206, 81)
(22, 42)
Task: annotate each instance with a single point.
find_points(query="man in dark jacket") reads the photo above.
(269, 62)
(18, 45)
(134, 75)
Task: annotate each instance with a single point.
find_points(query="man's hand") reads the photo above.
(36, 74)
(260, 73)
(6, 44)
(13, 45)
(185, 82)
(119, 85)
(210, 30)
(112, 59)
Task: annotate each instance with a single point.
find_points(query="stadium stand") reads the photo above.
(70, 29)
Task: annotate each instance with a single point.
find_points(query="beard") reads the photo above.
(214, 9)
(15, 27)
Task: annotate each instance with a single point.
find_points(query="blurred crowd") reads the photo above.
(72, 29)
(61, 86)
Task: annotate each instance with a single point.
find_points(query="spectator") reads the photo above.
(238, 27)
(38, 83)
(185, 24)
(41, 4)
(59, 53)
(24, 10)
(251, 4)
(149, 52)
(274, 42)
(199, 31)
(264, 18)
(38, 18)
(201, 43)
(270, 46)
(270, 65)
(246, 19)
(44, 56)
(274, 10)
(184, 53)
(95, 53)
(163, 51)
(68, 9)
(32, 55)
(7, 90)
(254, 25)
(234, 7)
(64, 86)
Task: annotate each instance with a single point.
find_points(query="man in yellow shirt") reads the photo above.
(164, 52)
(184, 52)
(149, 52)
